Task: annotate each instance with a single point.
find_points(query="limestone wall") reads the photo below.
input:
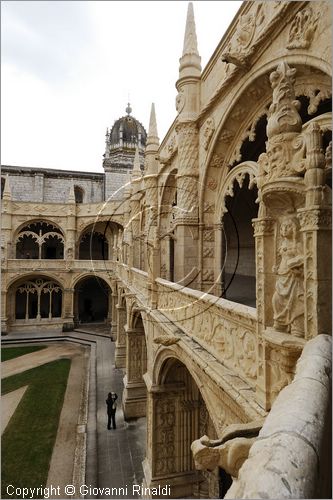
(43, 185)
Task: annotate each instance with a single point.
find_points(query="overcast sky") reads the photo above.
(68, 68)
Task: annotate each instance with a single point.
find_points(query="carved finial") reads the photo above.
(71, 195)
(190, 57)
(152, 132)
(7, 194)
(136, 172)
(283, 112)
(128, 109)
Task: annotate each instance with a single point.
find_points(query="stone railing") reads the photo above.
(225, 329)
(292, 456)
(44, 265)
(139, 281)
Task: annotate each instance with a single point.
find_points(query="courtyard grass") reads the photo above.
(8, 353)
(28, 440)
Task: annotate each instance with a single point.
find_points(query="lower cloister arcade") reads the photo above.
(34, 299)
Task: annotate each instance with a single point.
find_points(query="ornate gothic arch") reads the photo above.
(237, 174)
(31, 276)
(239, 119)
(175, 353)
(36, 220)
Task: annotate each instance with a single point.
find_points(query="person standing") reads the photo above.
(111, 409)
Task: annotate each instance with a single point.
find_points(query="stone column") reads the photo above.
(135, 393)
(120, 353)
(279, 247)
(188, 105)
(4, 319)
(316, 226)
(68, 309)
(70, 252)
(187, 222)
(114, 300)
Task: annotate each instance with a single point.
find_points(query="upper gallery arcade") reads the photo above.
(208, 254)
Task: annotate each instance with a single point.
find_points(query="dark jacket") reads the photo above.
(111, 403)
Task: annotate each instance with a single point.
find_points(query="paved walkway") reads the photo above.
(114, 457)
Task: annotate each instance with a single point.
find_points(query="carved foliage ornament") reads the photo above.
(283, 112)
(285, 156)
(208, 132)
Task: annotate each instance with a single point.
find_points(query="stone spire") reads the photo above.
(190, 62)
(152, 137)
(71, 196)
(7, 194)
(190, 38)
(136, 172)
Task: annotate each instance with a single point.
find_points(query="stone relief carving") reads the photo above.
(166, 340)
(208, 275)
(165, 440)
(240, 44)
(180, 101)
(211, 183)
(288, 298)
(283, 112)
(228, 452)
(208, 132)
(285, 156)
(302, 29)
(208, 252)
(217, 160)
(316, 97)
(226, 136)
(280, 377)
(187, 201)
(209, 208)
(208, 235)
(187, 147)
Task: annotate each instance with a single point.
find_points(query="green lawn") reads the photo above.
(28, 440)
(14, 352)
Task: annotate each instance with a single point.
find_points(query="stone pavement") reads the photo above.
(114, 457)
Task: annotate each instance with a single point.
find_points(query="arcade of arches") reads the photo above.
(211, 268)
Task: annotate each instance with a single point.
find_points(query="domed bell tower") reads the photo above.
(120, 145)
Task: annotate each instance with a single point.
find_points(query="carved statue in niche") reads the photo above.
(288, 298)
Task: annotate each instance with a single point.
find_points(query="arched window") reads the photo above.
(78, 193)
(40, 240)
(238, 245)
(38, 299)
(94, 245)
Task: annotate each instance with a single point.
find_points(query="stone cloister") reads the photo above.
(212, 265)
